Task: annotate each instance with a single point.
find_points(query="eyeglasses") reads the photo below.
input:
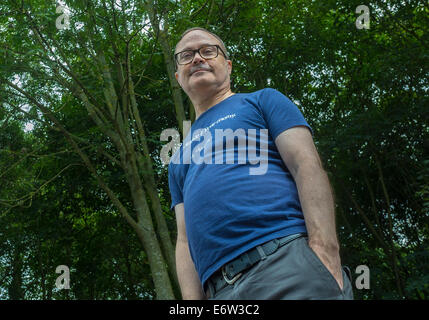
(206, 52)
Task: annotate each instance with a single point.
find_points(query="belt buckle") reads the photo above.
(230, 281)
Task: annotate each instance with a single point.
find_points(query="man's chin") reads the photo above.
(200, 80)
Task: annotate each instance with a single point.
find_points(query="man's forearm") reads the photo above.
(317, 204)
(189, 281)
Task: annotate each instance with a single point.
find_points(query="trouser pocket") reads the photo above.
(332, 288)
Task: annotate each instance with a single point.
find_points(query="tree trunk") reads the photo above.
(176, 91)
(145, 164)
(146, 233)
(163, 231)
(15, 288)
(163, 40)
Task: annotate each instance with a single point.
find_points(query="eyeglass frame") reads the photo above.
(198, 50)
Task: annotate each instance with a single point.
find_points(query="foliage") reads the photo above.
(363, 91)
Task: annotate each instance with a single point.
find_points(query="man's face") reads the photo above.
(201, 74)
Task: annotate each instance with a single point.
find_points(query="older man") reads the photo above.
(266, 235)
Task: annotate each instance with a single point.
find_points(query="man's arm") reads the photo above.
(299, 153)
(189, 281)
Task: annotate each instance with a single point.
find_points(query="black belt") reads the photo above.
(232, 270)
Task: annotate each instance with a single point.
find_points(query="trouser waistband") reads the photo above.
(232, 270)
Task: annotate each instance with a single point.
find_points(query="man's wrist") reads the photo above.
(330, 246)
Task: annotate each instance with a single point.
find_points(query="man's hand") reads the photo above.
(331, 260)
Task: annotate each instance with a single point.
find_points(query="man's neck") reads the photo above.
(206, 102)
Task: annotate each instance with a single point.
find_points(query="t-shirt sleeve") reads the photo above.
(280, 112)
(176, 190)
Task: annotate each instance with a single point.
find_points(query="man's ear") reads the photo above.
(229, 63)
(177, 77)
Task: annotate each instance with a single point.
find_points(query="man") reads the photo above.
(266, 235)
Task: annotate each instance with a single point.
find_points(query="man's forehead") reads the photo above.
(194, 39)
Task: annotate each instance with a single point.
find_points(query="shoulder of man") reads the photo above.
(267, 94)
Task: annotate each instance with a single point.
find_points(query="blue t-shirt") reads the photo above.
(237, 191)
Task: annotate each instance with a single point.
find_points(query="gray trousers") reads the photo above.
(293, 272)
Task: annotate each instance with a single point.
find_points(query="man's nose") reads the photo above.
(197, 58)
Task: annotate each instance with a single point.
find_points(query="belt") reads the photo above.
(232, 270)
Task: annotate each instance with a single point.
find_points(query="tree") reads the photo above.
(85, 69)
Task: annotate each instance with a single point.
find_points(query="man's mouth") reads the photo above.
(198, 70)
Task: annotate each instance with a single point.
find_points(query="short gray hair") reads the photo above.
(222, 45)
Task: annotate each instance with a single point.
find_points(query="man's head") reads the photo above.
(206, 70)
